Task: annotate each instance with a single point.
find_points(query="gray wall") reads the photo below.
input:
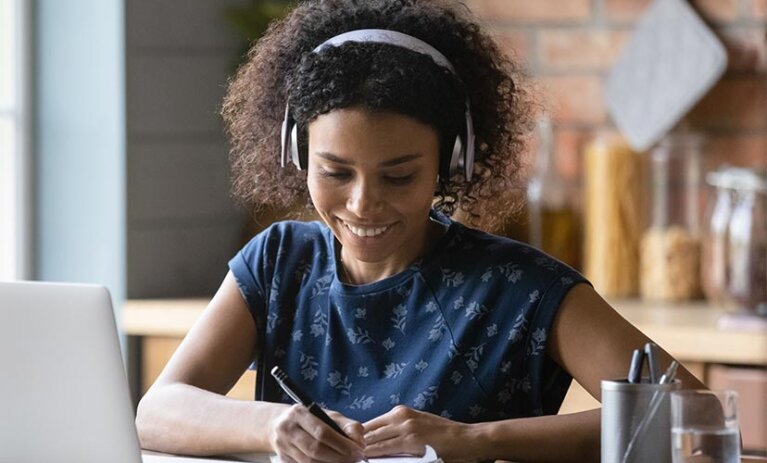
(182, 227)
(80, 143)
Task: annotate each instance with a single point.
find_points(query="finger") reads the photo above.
(316, 451)
(377, 422)
(286, 458)
(322, 432)
(356, 432)
(381, 434)
(392, 416)
(297, 445)
(394, 446)
(352, 428)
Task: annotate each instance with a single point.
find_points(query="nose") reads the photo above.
(364, 199)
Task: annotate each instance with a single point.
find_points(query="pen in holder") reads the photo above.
(636, 424)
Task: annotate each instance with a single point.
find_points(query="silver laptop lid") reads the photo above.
(63, 391)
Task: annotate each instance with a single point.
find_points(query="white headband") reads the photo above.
(392, 38)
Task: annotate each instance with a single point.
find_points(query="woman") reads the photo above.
(410, 328)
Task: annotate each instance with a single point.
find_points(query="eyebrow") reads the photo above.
(391, 162)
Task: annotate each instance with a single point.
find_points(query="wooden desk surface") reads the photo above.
(689, 332)
(154, 457)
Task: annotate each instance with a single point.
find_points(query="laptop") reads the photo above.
(63, 391)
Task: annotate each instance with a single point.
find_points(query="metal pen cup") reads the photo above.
(636, 423)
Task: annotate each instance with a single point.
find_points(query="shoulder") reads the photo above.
(283, 248)
(477, 270)
(285, 245)
(486, 256)
(288, 236)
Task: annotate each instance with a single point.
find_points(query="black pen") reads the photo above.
(635, 370)
(651, 353)
(295, 393)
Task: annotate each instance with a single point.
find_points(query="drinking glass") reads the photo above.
(704, 427)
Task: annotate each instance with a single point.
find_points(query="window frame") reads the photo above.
(20, 112)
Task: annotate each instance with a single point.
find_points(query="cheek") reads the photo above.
(424, 193)
(323, 197)
(315, 193)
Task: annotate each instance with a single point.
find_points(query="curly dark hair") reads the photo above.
(379, 77)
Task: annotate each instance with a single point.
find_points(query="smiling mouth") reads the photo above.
(366, 232)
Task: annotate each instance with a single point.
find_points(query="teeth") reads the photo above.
(362, 232)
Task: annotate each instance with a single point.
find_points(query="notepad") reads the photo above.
(429, 456)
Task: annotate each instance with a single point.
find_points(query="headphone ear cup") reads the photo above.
(468, 158)
(294, 154)
(456, 156)
(285, 138)
(468, 149)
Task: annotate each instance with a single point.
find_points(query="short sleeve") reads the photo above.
(546, 375)
(248, 269)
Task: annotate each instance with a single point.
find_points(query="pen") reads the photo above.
(298, 396)
(651, 352)
(670, 374)
(635, 370)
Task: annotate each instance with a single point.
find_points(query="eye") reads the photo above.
(333, 174)
(399, 180)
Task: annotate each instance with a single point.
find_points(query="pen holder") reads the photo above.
(636, 424)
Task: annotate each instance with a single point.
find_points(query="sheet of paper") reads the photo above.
(157, 458)
(430, 456)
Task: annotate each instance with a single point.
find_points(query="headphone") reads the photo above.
(463, 149)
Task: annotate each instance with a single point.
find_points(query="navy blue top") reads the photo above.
(461, 333)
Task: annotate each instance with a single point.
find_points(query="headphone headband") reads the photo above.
(463, 149)
(391, 38)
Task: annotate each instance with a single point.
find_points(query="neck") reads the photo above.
(357, 272)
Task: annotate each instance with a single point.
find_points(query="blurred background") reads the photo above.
(113, 168)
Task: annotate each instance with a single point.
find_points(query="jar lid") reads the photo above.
(738, 178)
(683, 138)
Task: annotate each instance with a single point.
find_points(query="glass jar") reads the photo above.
(554, 225)
(715, 239)
(747, 245)
(670, 246)
(614, 211)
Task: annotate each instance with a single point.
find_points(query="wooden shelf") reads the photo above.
(691, 332)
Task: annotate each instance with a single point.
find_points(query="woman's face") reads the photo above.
(371, 178)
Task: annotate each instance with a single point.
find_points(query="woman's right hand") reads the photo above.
(297, 436)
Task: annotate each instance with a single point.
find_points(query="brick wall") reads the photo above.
(568, 46)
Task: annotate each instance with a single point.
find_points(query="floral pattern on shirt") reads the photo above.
(462, 333)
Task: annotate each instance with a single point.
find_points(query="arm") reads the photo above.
(592, 342)
(589, 340)
(186, 412)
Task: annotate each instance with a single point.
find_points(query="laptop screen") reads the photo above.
(64, 395)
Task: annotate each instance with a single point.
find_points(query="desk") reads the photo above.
(162, 458)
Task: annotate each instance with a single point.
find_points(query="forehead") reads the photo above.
(349, 132)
